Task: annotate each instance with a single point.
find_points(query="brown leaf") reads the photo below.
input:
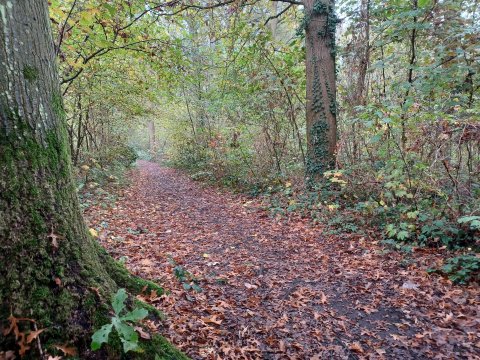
(7, 355)
(33, 335)
(380, 351)
(356, 347)
(13, 326)
(66, 349)
(143, 333)
(323, 298)
(212, 320)
(96, 290)
(250, 286)
(23, 346)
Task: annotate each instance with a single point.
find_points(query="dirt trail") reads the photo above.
(279, 290)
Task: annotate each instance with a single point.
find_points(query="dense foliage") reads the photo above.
(219, 89)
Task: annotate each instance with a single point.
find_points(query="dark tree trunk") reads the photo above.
(320, 25)
(49, 266)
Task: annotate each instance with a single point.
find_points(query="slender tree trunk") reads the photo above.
(152, 141)
(274, 22)
(363, 45)
(320, 25)
(411, 64)
(49, 266)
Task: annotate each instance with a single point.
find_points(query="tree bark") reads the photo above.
(152, 141)
(49, 265)
(320, 24)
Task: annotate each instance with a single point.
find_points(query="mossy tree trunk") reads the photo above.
(49, 266)
(320, 24)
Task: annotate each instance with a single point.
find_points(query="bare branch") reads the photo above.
(62, 29)
(293, 2)
(279, 14)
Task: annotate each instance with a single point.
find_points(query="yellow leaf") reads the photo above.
(93, 232)
(332, 207)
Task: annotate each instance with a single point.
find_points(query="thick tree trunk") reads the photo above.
(49, 266)
(46, 258)
(320, 25)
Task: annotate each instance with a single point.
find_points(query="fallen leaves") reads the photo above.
(143, 334)
(20, 336)
(7, 355)
(323, 298)
(250, 286)
(279, 288)
(33, 335)
(356, 347)
(67, 350)
(212, 320)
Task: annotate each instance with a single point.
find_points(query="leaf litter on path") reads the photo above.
(274, 289)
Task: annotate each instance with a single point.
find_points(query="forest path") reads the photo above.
(278, 290)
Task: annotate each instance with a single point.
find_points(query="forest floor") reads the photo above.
(279, 288)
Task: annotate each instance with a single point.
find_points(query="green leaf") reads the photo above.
(100, 336)
(135, 315)
(129, 345)
(128, 335)
(473, 220)
(118, 302)
(111, 9)
(423, 3)
(186, 286)
(124, 330)
(402, 235)
(464, 219)
(412, 214)
(475, 225)
(197, 288)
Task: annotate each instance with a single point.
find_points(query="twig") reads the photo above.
(278, 15)
(39, 344)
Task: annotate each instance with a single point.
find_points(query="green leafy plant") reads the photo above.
(188, 280)
(126, 332)
(472, 221)
(461, 269)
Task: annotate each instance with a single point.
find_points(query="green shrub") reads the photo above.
(461, 269)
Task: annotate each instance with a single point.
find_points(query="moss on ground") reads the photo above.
(158, 348)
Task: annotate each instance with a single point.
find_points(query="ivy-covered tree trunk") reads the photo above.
(51, 271)
(320, 23)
